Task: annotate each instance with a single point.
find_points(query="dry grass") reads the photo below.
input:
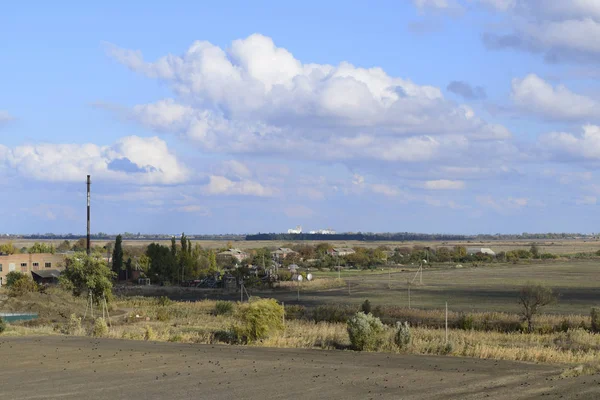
(316, 284)
(196, 322)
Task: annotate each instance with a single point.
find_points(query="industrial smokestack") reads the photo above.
(88, 246)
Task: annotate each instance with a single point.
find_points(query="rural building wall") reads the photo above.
(26, 263)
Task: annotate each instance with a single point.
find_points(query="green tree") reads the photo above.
(80, 245)
(8, 248)
(532, 299)
(162, 266)
(173, 247)
(117, 256)
(87, 274)
(128, 267)
(12, 277)
(41, 248)
(64, 246)
(534, 250)
(212, 262)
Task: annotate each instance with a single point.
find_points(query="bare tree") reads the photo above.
(532, 298)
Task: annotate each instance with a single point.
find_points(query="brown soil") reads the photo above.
(59, 367)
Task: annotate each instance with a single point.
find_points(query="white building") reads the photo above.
(323, 232)
(296, 230)
(483, 250)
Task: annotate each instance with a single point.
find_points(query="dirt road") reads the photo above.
(82, 368)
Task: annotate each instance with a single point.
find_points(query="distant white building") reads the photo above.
(483, 250)
(296, 230)
(323, 232)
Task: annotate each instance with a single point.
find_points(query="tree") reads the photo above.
(117, 258)
(534, 250)
(532, 298)
(128, 267)
(80, 245)
(64, 246)
(173, 247)
(212, 262)
(162, 264)
(8, 248)
(12, 277)
(41, 248)
(87, 274)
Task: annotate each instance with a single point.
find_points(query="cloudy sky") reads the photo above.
(462, 116)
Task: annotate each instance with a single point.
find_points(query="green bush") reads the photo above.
(22, 285)
(295, 311)
(366, 307)
(258, 319)
(2, 325)
(73, 326)
(164, 301)
(224, 308)
(12, 277)
(149, 333)
(333, 313)
(364, 331)
(100, 328)
(162, 314)
(595, 315)
(466, 322)
(402, 338)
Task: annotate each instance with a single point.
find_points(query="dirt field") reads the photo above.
(545, 246)
(82, 368)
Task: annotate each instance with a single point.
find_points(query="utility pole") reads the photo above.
(88, 245)
(408, 284)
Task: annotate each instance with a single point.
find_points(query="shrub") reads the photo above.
(258, 319)
(333, 313)
(149, 333)
(176, 338)
(595, 316)
(162, 314)
(295, 311)
(22, 285)
(224, 308)
(364, 331)
(73, 326)
(100, 328)
(12, 277)
(466, 322)
(164, 301)
(402, 338)
(366, 307)
(2, 325)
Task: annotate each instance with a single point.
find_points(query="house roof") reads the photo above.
(232, 252)
(47, 273)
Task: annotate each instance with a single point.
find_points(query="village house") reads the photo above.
(232, 254)
(30, 263)
(340, 251)
(281, 253)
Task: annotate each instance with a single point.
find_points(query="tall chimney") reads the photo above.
(88, 247)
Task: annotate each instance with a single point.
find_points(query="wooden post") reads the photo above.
(408, 294)
(446, 322)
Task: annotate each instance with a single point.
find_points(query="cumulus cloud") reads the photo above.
(567, 146)
(153, 162)
(466, 91)
(535, 95)
(220, 185)
(443, 184)
(255, 97)
(559, 29)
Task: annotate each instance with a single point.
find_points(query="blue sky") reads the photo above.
(463, 116)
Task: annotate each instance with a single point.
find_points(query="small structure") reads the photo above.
(340, 251)
(46, 276)
(281, 253)
(482, 250)
(232, 254)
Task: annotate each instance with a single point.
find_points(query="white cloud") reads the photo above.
(257, 98)
(503, 205)
(500, 5)
(586, 200)
(385, 190)
(235, 168)
(5, 116)
(535, 95)
(131, 159)
(443, 184)
(193, 209)
(445, 6)
(220, 185)
(566, 145)
(560, 29)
